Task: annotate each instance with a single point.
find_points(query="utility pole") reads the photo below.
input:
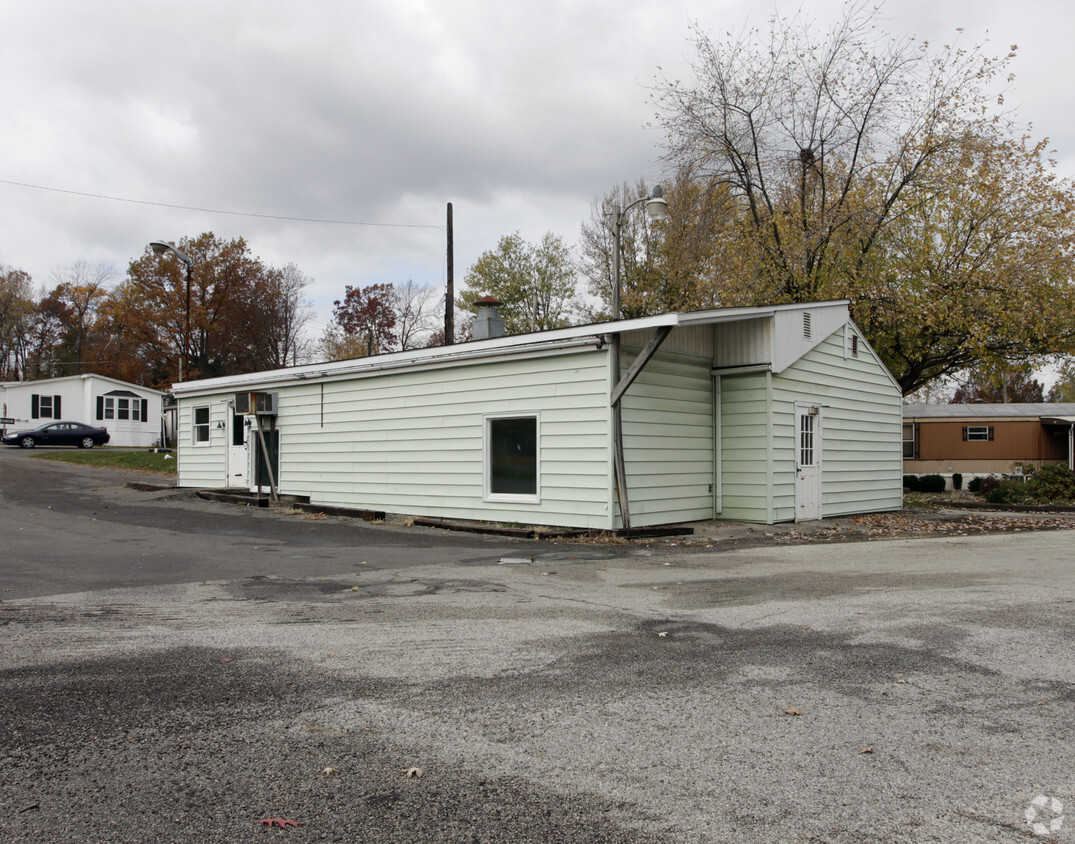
(449, 296)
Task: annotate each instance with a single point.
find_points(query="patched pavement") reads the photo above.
(804, 690)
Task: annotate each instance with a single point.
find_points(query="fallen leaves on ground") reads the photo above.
(897, 524)
(791, 710)
(283, 823)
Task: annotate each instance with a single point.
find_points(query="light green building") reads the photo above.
(763, 414)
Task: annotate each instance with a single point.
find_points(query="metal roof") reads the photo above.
(1037, 410)
(532, 343)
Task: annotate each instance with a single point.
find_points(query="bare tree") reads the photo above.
(283, 313)
(82, 287)
(419, 313)
(819, 137)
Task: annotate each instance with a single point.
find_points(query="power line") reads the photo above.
(217, 211)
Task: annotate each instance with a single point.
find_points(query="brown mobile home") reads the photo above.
(986, 439)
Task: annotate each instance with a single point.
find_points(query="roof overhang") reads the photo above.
(553, 341)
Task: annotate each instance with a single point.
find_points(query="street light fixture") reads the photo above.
(159, 247)
(657, 209)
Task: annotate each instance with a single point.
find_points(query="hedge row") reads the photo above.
(924, 483)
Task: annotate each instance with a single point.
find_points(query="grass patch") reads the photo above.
(115, 458)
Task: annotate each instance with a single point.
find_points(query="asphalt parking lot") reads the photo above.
(218, 667)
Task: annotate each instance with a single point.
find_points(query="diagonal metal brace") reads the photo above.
(639, 364)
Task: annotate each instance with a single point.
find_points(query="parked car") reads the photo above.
(59, 433)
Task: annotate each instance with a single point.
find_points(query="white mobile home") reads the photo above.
(130, 412)
(762, 414)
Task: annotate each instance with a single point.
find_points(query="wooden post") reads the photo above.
(449, 296)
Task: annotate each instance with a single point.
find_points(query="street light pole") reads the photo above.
(159, 247)
(657, 209)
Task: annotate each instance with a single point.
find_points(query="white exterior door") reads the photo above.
(238, 451)
(808, 463)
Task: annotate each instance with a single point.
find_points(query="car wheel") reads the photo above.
(27, 442)
(86, 442)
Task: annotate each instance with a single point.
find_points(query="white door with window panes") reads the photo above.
(238, 450)
(807, 463)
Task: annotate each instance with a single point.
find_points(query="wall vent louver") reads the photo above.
(806, 324)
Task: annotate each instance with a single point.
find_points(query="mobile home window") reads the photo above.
(201, 425)
(44, 407)
(908, 441)
(511, 458)
(978, 433)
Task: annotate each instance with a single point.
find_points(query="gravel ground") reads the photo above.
(780, 685)
(648, 699)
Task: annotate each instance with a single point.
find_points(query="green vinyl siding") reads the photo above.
(744, 447)
(413, 443)
(861, 430)
(668, 439)
(412, 440)
(202, 465)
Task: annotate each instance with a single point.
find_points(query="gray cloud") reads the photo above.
(518, 113)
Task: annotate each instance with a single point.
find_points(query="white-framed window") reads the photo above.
(512, 457)
(806, 440)
(200, 425)
(909, 441)
(118, 407)
(44, 407)
(978, 433)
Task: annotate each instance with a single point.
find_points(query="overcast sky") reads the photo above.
(518, 112)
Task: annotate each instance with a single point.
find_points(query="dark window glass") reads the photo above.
(908, 441)
(806, 440)
(513, 456)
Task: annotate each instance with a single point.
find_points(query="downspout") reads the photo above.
(718, 467)
(769, 447)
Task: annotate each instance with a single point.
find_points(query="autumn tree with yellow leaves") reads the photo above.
(850, 164)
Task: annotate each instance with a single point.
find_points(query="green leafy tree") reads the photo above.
(535, 282)
(1064, 388)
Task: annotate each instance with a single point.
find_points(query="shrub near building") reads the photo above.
(1048, 485)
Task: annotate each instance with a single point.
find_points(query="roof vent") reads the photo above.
(488, 323)
(806, 324)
